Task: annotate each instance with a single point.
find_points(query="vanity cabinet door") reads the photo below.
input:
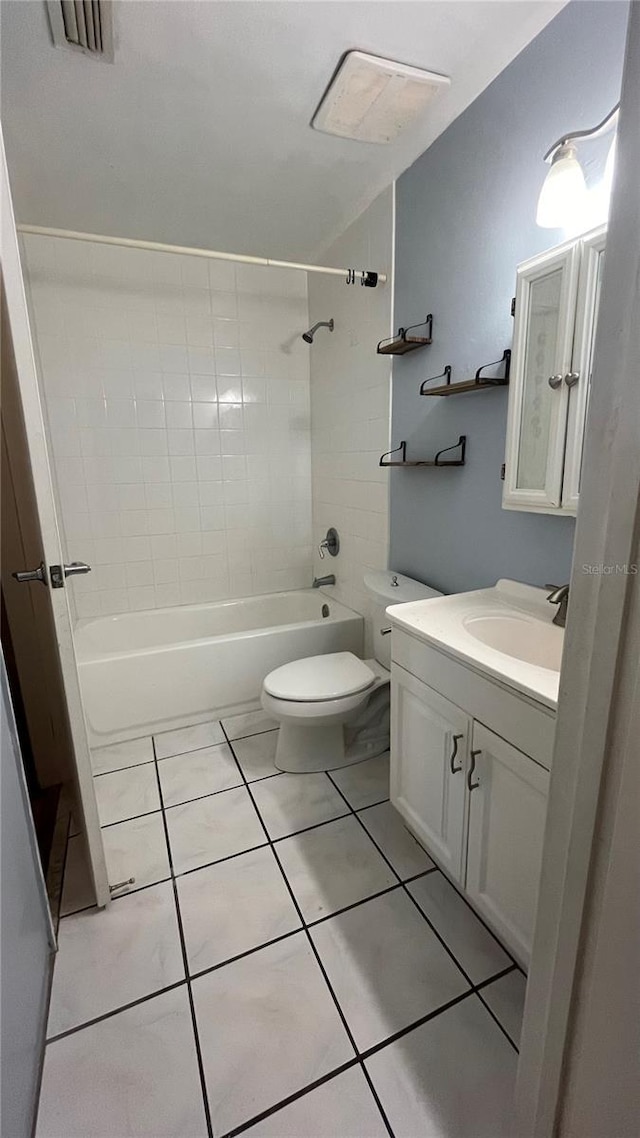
(507, 809)
(538, 395)
(429, 750)
(579, 378)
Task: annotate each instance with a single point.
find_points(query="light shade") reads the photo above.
(564, 191)
(374, 100)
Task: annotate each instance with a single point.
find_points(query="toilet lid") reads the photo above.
(320, 678)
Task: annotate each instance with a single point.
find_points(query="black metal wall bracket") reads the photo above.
(446, 375)
(386, 459)
(478, 382)
(402, 342)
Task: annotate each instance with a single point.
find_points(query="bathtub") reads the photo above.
(145, 672)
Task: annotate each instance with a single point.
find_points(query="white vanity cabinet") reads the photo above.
(430, 748)
(557, 301)
(475, 801)
(507, 809)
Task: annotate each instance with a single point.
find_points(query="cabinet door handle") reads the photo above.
(571, 378)
(554, 381)
(470, 784)
(452, 760)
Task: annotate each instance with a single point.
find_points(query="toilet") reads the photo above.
(333, 710)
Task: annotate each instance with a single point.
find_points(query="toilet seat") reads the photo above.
(336, 676)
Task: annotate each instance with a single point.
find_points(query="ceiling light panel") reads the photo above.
(374, 100)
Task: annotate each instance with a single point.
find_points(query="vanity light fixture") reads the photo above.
(371, 99)
(564, 190)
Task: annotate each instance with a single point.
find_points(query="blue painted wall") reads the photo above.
(465, 218)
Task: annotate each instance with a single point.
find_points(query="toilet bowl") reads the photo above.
(333, 710)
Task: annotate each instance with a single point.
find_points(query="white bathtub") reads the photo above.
(152, 671)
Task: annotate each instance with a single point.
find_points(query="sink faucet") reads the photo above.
(559, 597)
(320, 582)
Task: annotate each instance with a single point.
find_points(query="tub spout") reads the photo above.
(320, 582)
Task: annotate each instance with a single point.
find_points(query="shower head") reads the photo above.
(308, 336)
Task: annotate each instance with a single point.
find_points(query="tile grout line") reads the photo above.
(310, 924)
(317, 957)
(412, 899)
(403, 884)
(423, 914)
(185, 959)
(359, 1057)
(115, 1011)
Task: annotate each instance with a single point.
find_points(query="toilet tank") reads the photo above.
(388, 588)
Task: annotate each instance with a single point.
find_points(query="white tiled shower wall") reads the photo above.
(177, 396)
(350, 408)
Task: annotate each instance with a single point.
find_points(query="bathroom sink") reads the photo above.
(506, 631)
(520, 636)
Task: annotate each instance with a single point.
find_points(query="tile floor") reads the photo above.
(289, 961)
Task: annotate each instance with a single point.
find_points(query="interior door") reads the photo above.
(538, 399)
(27, 939)
(507, 812)
(578, 379)
(50, 536)
(429, 744)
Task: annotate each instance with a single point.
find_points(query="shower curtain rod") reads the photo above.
(367, 277)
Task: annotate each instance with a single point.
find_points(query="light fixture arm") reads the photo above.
(576, 135)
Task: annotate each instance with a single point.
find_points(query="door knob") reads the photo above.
(39, 574)
(59, 572)
(554, 381)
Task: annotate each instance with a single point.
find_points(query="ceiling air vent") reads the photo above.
(83, 25)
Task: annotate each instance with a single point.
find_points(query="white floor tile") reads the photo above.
(188, 739)
(133, 1075)
(233, 907)
(294, 801)
(119, 755)
(126, 794)
(390, 833)
(453, 1077)
(77, 890)
(212, 828)
(470, 942)
(386, 966)
(137, 848)
(256, 754)
(184, 777)
(281, 1030)
(343, 1107)
(109, 957)
(240, 726)
(364, 783)
(505, 997)
(333, 866)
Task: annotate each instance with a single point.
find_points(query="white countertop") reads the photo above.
(516, 616)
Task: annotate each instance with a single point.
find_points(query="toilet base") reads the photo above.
(309, 750)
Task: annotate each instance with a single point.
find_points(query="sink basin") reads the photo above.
(520, 636)
(506, 631)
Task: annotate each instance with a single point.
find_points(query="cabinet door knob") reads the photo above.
(452, 760)
(554, 381)
(470, 784)
(571, 378)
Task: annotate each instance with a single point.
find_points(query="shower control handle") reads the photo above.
(331, 543)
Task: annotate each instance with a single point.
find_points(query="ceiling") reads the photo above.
(198, 133)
